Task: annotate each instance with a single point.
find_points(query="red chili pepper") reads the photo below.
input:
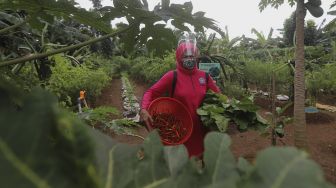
(170, 128)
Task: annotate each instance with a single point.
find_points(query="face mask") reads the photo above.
(189, 64)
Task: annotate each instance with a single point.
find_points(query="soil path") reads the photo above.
(111, 96)
(321, 142)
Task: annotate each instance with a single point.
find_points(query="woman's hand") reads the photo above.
(146, 117)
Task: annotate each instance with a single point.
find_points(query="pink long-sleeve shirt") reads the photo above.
(190, 89)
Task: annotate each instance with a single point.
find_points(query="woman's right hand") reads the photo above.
(146, 117)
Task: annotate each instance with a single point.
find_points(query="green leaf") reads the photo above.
(218, 159)
(286, 167)
(247, 105)
(130, 36)
(332, 12)
(202, 112)
(152, 168)
(111, 13)
(222, 98)
(45, 10)
(190, 176)
(199, 14)
(221, 121)
(242, 123)
(178, 24)
(207, 121)
(244, 167)
(55, 146)
(278, 110)
(121, 156)
(279, 129)
(261, 119)
(213, 108)
(176, 157)
(103, 145)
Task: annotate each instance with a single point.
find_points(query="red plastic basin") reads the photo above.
(176, 108)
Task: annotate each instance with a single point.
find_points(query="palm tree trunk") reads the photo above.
(300, 137)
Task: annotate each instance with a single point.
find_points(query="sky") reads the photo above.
(240, 16)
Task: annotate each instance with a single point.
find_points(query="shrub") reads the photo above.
(66, 80)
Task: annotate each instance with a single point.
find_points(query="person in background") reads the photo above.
(81, 100)
(190, 89)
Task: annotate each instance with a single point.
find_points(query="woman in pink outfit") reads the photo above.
(191, 86)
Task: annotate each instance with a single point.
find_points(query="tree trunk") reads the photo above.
(300, 137)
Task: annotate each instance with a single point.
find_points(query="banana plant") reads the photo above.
(263, 42)
(225, 44)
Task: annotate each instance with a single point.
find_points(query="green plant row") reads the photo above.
(130, 102)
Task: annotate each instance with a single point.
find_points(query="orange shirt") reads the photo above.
(81, 94)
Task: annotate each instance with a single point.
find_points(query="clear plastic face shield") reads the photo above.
(189, 58)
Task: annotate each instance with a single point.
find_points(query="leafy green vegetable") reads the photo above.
(217, 111)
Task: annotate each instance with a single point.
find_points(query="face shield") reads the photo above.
(190, 50)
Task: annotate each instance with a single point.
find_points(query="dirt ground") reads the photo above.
(111, 96)
(321, 132)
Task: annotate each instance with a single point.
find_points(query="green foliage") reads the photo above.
(100, 114)
(156, 37)
(259, 74)
(124, 127)
(322, 80)
(129, 91)
(158, 168)
(277, 128)
(47, 147)
(46, 10)
(27, 78)
(151, 70)
(313, 6)
(274, 3)
(120, 65)
(67, 80)
(97, 62)
(234, 90)
(57, 151)
(124, 122)
(217, 111)
(289, 30)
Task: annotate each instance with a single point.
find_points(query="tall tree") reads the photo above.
(300, 137)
